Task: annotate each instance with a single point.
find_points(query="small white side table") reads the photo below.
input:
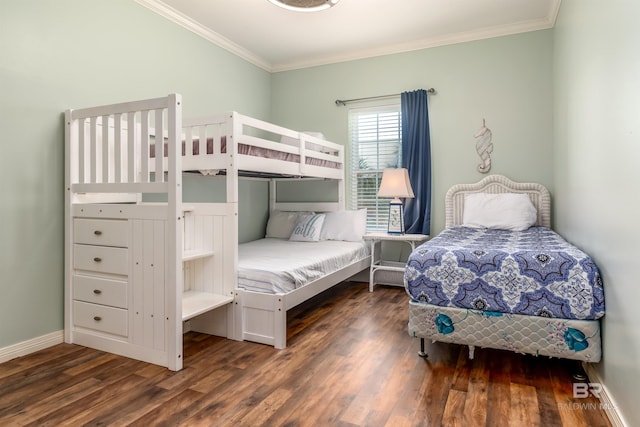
(377, 263)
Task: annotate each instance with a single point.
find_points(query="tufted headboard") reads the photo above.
(454, 199)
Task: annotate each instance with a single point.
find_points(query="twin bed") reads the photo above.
(141, 264)
(499, 277)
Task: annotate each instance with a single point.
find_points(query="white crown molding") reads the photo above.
(485, 33)
(417, 45)
(554, 9)
(506, 30)
(31, 346)
(184, 21)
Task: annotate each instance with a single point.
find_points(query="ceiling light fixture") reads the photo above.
(305, 5)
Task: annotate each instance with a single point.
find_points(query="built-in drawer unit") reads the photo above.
(103, 232)
(100, 318)
(101, 259)
(100, 281)
(100, 290)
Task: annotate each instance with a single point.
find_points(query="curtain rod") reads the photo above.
(340, 102)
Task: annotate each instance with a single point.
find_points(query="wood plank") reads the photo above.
(166, 407)
(499, 391)
(267, 407)
(547, 405)
(37, 409)
(524, 405)
(475, 413)
(92, 405)
(454, 408)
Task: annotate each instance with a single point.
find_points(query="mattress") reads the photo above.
(532, 272)
(273, 265)
(563, 338)
(250, 150)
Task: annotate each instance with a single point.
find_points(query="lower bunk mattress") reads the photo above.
(562, 338)
(275, 266)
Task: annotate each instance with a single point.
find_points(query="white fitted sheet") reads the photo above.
(278, 266)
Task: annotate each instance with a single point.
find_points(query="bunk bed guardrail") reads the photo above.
(229, 141)
(107, 146)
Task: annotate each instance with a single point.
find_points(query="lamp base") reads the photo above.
(396, 217)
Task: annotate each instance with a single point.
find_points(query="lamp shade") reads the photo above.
(395, 184)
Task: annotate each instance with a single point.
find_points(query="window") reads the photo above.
(375, 138)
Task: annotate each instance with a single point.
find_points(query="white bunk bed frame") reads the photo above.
(136, 271)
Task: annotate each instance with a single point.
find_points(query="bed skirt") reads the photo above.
(562, 338)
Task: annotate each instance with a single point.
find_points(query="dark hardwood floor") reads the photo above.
(349, 362)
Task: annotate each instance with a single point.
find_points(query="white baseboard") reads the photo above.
(31, 346)
(606, 402)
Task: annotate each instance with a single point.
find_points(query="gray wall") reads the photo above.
(56, 55)
(596, 155)
(507, 81)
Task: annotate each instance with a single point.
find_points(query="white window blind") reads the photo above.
(375, 138)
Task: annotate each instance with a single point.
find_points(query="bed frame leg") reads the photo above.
(422, 353)
(579, 375)
(472, 350)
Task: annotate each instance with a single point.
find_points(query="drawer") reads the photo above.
(105, 232)
(100, 318)
(101, 259)
(100, 290)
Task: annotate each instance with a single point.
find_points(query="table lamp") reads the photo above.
(395, 184)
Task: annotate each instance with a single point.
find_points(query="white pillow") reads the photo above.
(506, 211)
(307, 228)
(345, 225)
(280, 224)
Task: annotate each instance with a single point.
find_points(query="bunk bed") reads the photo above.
(136, 270)
(499, 277)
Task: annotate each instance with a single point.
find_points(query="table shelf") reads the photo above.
(377, 263)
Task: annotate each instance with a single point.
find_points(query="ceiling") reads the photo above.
(276, 39)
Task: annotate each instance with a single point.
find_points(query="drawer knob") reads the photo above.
(97, 318)
(97, 259)
(97, 291)
(98, 233)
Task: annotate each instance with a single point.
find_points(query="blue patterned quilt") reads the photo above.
(532, 272)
